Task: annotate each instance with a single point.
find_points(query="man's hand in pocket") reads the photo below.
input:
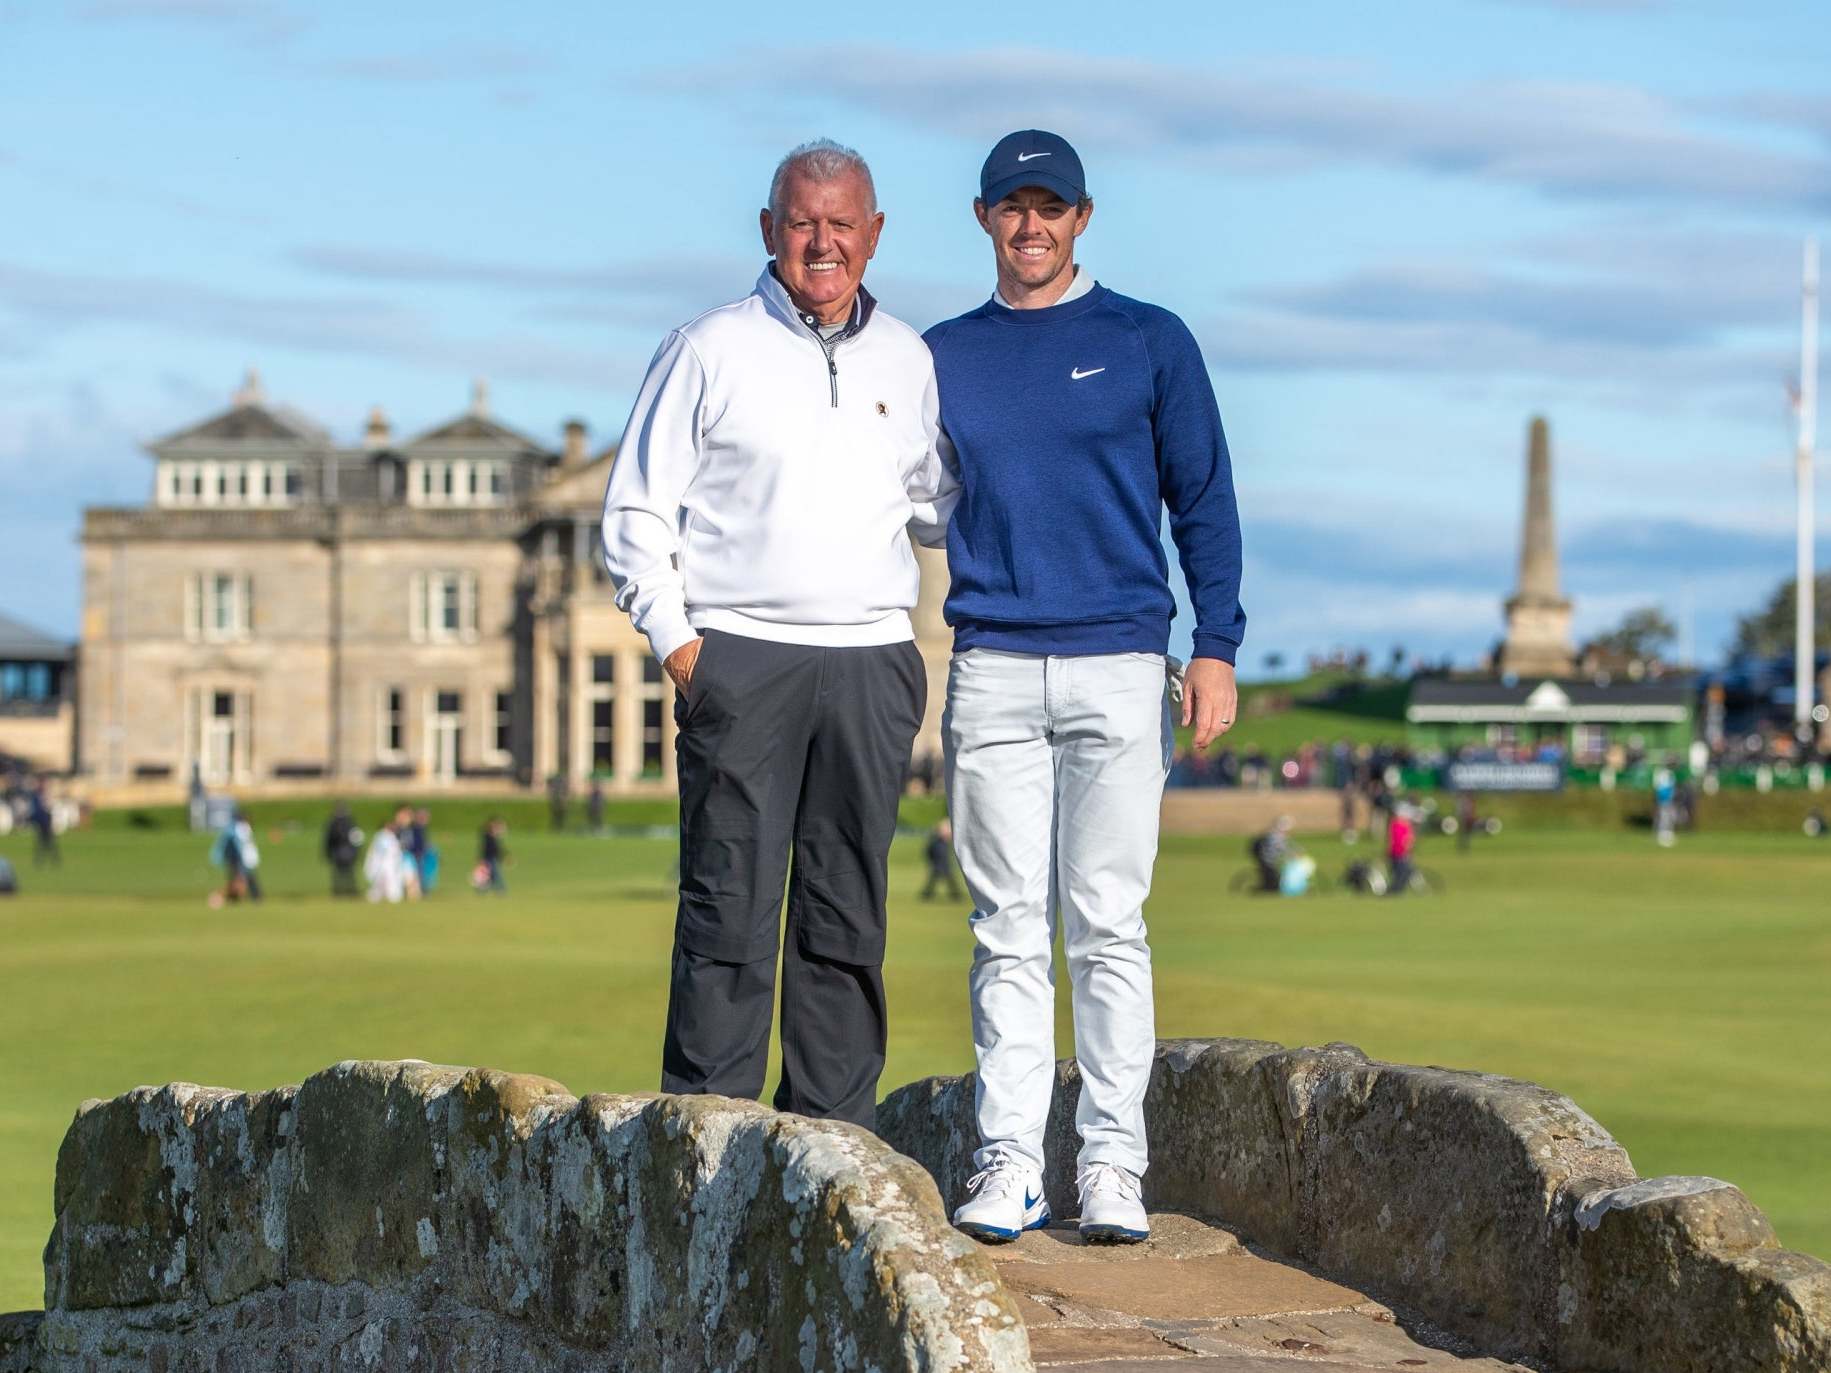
(679, 663)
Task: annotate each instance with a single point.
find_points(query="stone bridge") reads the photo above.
(1313, 1208)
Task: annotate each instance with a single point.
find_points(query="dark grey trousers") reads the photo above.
(787, 749)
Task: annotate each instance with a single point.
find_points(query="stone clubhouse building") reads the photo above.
(293, 614)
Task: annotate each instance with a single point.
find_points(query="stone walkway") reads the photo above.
(1193, 1296)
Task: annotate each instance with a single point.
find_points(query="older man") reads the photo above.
(1078, 415)
(756, 527)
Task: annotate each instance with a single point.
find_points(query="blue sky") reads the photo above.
(1397, 230)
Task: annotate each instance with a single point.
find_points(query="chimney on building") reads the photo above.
(250, 392)
(574, 455)
(480, 398)
(378, 435)
(1538, 617)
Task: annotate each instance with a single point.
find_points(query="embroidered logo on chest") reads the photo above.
(1077, 374)
(883, 409)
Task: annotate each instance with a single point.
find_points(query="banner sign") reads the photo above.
(1494, 775)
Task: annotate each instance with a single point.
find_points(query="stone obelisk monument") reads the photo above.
(1538, 618)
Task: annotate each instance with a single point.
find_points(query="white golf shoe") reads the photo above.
(1005, 1199)
(1112, 1205)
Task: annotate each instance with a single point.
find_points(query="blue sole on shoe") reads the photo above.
(987, 1234)
(997, 1234)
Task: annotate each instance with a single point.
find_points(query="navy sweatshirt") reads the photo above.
(1075, 426)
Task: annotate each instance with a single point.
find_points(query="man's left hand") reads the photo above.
(1210, 699)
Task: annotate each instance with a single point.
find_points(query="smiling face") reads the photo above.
(1033, 233)
(821, 236)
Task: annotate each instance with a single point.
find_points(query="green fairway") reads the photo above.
(1280, 717)
(1682, 997)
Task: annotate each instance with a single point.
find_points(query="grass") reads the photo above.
(1280, 717)
(1679, 996)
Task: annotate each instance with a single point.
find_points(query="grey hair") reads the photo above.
(821, 159)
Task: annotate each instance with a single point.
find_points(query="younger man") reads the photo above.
(1077, 415)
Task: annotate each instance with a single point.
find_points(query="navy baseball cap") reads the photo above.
(1032, 158)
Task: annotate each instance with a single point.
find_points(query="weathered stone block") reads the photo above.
(1446, 1187)
(845, 1235)
(245, 1151)
(931, 1121)
(1221, 1146)
(369, 1162)
(490, 1223)
(19, 1340)
(1685, 1273)
(692, 1176)
(126, 1199)
(401, 1215)
(588, 1150)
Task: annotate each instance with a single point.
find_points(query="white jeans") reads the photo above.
(1055, 774)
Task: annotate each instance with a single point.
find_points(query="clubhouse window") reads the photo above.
(504, 732)
(25, 682)
(218, 607)
(457, 481)
(391, 725)
(219, 733)
(236, 484)
(442, 607)
(603, 712)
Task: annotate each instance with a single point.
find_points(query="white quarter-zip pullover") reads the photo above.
(767, 483)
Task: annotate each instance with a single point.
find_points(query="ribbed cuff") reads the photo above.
(1213, 646)
(667, 631)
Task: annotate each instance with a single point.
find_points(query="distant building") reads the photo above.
(292, 613)
(1587, 722)
(37, 699)
(1537, 702)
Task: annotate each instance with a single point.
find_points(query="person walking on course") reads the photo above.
(1270, 851)
(1075, 416)
(422, 853)
(490, 857)
(940, 854)
(386, 867)
(1401, 839)
(756, 530)
(226, 853)
(342, 842)
(1665, 808)
(44, 827)
(250, 855)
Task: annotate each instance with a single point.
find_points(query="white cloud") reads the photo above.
(1593, 140)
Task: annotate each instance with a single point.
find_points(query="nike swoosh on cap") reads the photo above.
(1025, 157)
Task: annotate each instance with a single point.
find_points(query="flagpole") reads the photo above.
(1804, 647)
